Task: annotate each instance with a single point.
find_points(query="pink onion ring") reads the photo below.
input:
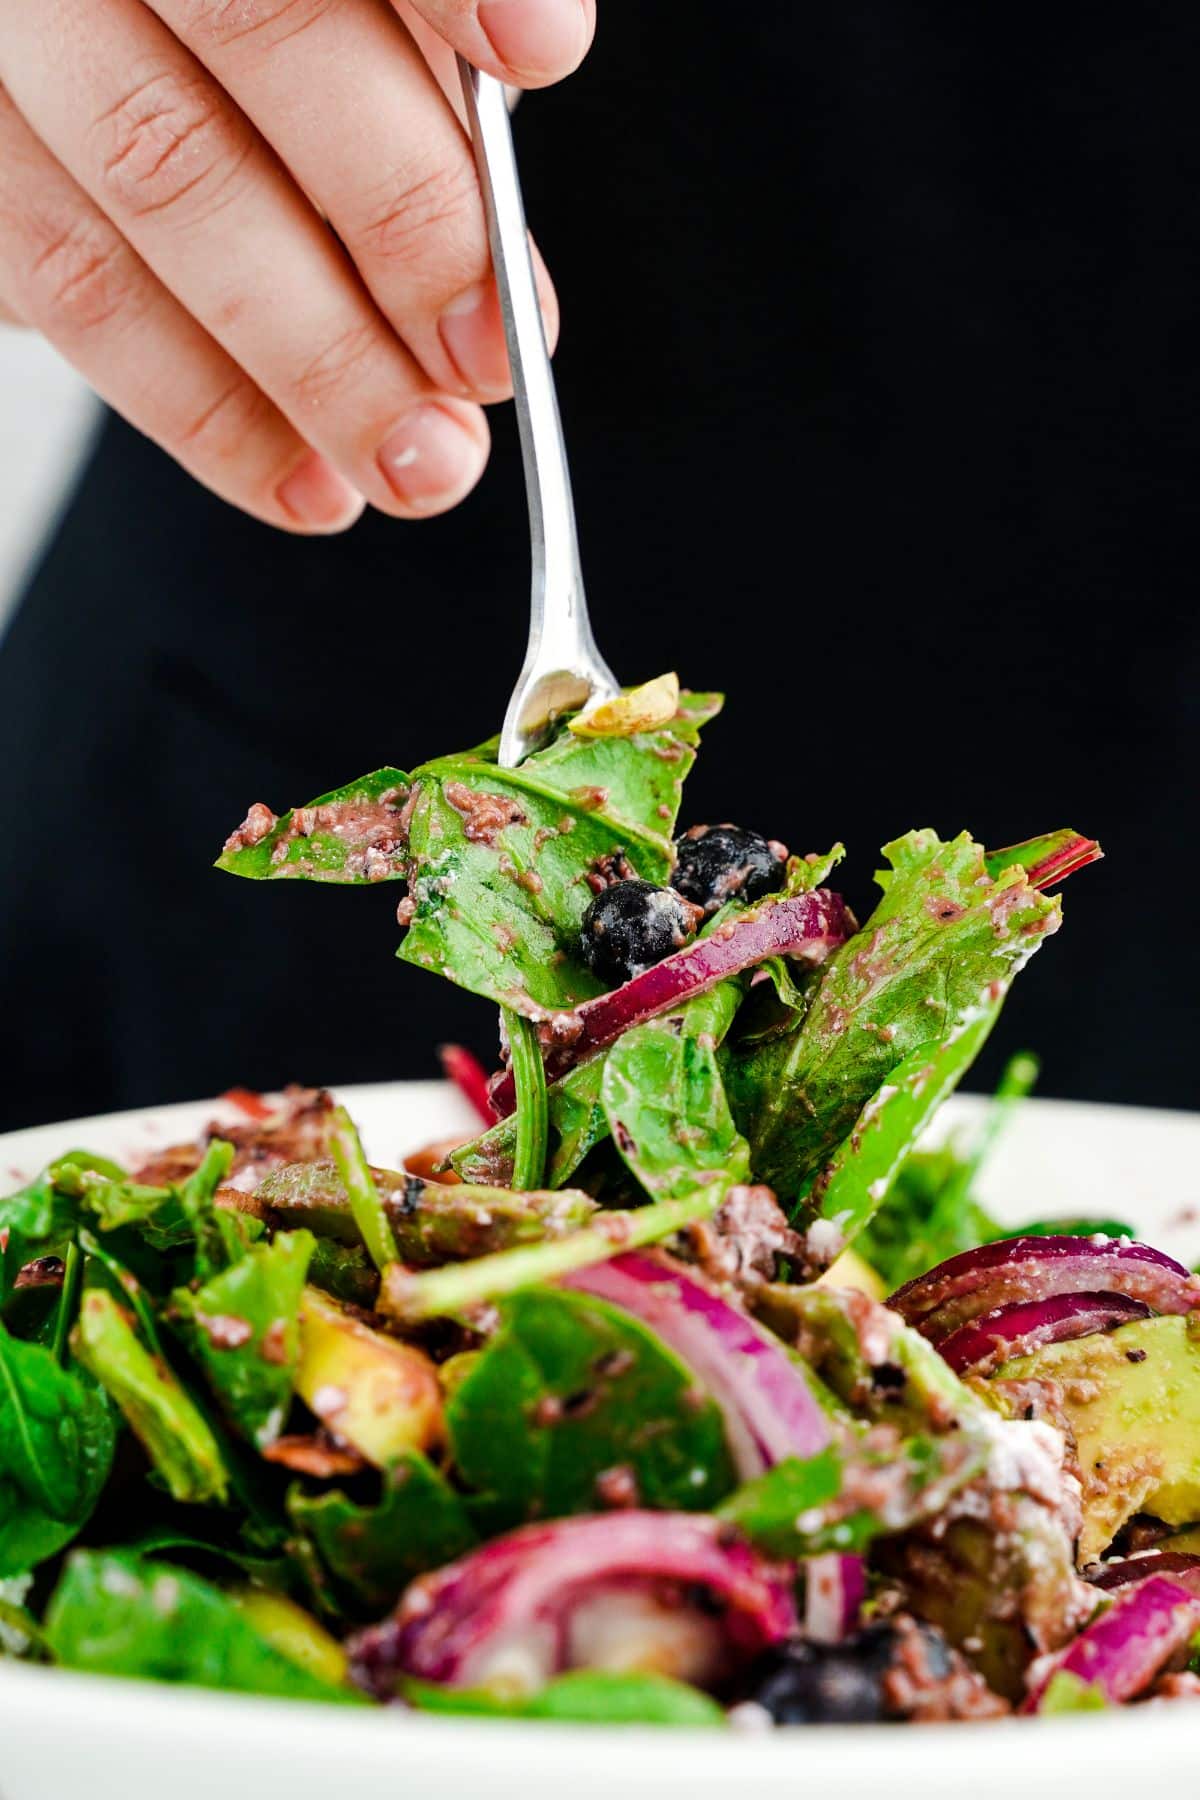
(1180, 1565)
(835, 1587)
(1121, 1652)
(515, 1597)
(1008, 1331)
(1023, 1269)
(769, 1409)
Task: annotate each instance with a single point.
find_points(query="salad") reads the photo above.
(602, 1414)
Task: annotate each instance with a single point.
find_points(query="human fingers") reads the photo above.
(350, 104)
(67, 272)
(171, 160)
(528, 42)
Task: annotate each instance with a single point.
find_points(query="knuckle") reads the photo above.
(343, 360)
(220, 431)
(270, 22)
(440, 206)
(170, 140)
(82, 276)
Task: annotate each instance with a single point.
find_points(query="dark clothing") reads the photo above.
(879, 377)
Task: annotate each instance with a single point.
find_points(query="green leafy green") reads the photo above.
(353, 835)
(56, 1450)
(804, 1506)
(242, 1329)
(533, 1118)
(501, 856)
(359, 1187)
(576, 1125)
(371, 1553)
(917, 988)
(579, 1108)
(1066, 1693)
(584, 1696)
(665, 1104)
(457, 1287)
(156, 1405)
(36, 1221)
(567, 1390)
(116, 1613)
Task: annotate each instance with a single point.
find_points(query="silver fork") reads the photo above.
(563, 668)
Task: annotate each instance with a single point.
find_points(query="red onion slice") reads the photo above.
(1180, 1565)
(1121, 1652)
(1024, 1269)
(769, 1409)
(1009, 1331)
(808, 926)
(530, 1605)
(835, 1587)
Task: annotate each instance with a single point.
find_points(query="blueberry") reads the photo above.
(630, 926)
(800, 1683)
(716, 863)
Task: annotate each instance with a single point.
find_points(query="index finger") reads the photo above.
(528, 43)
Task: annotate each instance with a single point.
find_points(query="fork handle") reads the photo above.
(557, 576)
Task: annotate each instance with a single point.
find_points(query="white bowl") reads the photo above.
(82, 1737)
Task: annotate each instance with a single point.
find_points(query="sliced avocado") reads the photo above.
(853, 1271)
(1187, 1542)
(1132, 1400)
(378, 1395)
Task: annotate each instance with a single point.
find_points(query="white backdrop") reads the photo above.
(45, 410)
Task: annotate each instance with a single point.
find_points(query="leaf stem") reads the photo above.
(68, 1301)
(439, 1293)
(533, 1113)
(361, 1191)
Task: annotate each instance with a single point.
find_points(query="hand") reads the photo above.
(255, 227)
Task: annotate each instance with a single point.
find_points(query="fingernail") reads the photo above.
(472, 332)
(536, 38)
(314, 494)
(433, 456)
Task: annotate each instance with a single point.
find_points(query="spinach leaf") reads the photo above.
(577, 1124)
(36, 1221)
(500, 856)
(585, 1696)
(56, 1450)
(156, 1405)
(932, 963)
(242, 1329)
(578, 1109)
(353, 835)
(373, 1552)
(847, 1496)
(496, 858)
(665, 1103)
(571, 1389)
(117, 1614)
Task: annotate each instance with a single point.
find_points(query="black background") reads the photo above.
(879, 375)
